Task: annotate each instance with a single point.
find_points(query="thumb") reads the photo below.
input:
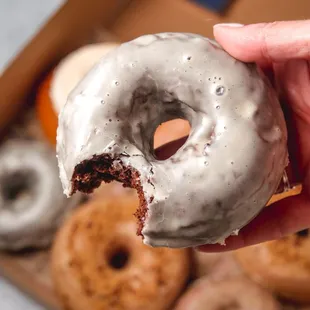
(265, 42)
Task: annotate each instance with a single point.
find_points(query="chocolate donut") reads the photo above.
(237, 293)
(32, 204)
(282, 265)
(99, 263)
(222, 176)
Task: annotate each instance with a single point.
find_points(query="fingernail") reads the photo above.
(229, 25)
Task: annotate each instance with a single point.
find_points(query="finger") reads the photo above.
(294, 79)
(266, 42)
(281, 219)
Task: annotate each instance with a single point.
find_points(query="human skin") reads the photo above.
(282, 50)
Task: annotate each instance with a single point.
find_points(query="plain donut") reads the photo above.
(282, 266)
(223, 175)
(238, 293)
(32, 204)
(99, 263)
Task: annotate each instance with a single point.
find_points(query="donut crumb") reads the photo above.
(89, 174)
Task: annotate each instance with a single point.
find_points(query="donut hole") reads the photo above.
(16, 185)
(118, 258)
(175, 132)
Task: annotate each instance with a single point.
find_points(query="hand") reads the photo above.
(282, 50)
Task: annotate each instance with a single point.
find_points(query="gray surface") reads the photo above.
(19, 21)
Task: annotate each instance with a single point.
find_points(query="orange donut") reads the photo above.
(216, 266)
(281, 265)
(45, 111)
(55, 88)
(99, 263)
(292, 192)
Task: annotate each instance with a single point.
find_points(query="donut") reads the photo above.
(45, 111)
(32, 204)
(226, 171)
(282, 265)
(99, 263)
(56, 86)
(233, 293)
(215, 266)
(164, 134)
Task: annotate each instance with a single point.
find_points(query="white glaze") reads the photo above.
(32, 218)
(72, 69)
(202, 194)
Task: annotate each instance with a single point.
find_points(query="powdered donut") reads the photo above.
(232, 294)
(282, 265)
(55, 88)
(99, 263)
(223, 175)
(32, 204)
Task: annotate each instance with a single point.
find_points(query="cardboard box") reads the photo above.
(84, 21)
(77, 21)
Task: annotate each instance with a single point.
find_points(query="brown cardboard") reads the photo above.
(71, 26)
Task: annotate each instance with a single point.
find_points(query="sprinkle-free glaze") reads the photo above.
(230, 165)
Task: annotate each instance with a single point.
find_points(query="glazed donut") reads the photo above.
(222, 176)
(55, 88)
(236, 293)
(99, 263)
(32, 204)
(282, 265)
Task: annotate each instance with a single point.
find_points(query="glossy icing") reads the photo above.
(231, 163)
(72, 69)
